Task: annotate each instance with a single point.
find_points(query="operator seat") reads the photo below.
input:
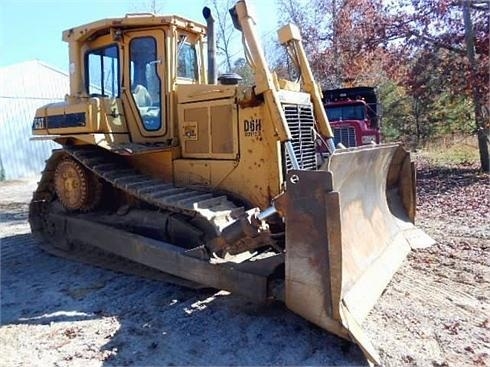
(142, 96)
(150, 115)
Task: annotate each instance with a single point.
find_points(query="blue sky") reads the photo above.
(31, 29)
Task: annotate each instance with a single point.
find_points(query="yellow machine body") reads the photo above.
(139, 90)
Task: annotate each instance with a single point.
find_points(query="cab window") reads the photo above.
(102, 70)
(145, 82)
(346, 112)
(187, 61)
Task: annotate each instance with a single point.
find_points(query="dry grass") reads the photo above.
(451, 151)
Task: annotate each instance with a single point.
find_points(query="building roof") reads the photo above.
(33, 80)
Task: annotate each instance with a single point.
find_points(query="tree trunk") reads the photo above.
(481, 122)
(335, 45)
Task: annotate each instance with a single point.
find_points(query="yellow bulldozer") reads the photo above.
(214, 184)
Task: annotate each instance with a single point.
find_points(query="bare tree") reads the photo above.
(225, 31)
(153, 6)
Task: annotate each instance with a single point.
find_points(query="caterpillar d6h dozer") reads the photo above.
(218, 185)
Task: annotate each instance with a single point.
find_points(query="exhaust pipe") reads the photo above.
(206, 12)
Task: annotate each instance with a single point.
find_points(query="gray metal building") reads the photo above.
(23, 88)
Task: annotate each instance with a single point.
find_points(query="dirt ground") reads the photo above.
(435, 312)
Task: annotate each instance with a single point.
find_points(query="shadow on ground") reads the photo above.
(154, 323)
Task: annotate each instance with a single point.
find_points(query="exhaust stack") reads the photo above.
(206, 12)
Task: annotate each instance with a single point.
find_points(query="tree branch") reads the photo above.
(437, 43)
(477, 5)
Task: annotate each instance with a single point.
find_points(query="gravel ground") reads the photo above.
(434, 312)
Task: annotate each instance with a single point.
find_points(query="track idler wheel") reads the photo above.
(76, 187)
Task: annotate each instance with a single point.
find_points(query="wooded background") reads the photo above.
(429, 59)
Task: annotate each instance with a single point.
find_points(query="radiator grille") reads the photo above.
(301, 122)
(345, 135)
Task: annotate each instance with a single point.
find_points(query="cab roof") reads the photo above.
(104, 26)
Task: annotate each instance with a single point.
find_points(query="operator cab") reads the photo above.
(123, 75)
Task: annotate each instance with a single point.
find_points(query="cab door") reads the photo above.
(144, 86)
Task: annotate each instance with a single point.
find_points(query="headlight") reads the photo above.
(367, 139)
(39, 123)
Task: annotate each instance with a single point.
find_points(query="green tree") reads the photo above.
(397, 123)
(242, 68)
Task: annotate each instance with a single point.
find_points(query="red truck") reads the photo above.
(354, 115)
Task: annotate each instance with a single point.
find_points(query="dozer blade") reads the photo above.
(349, 227)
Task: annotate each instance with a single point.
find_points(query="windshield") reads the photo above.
(347, 112)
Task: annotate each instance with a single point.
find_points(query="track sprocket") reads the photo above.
(76, 187)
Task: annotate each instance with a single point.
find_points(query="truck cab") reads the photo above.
(353, 114)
